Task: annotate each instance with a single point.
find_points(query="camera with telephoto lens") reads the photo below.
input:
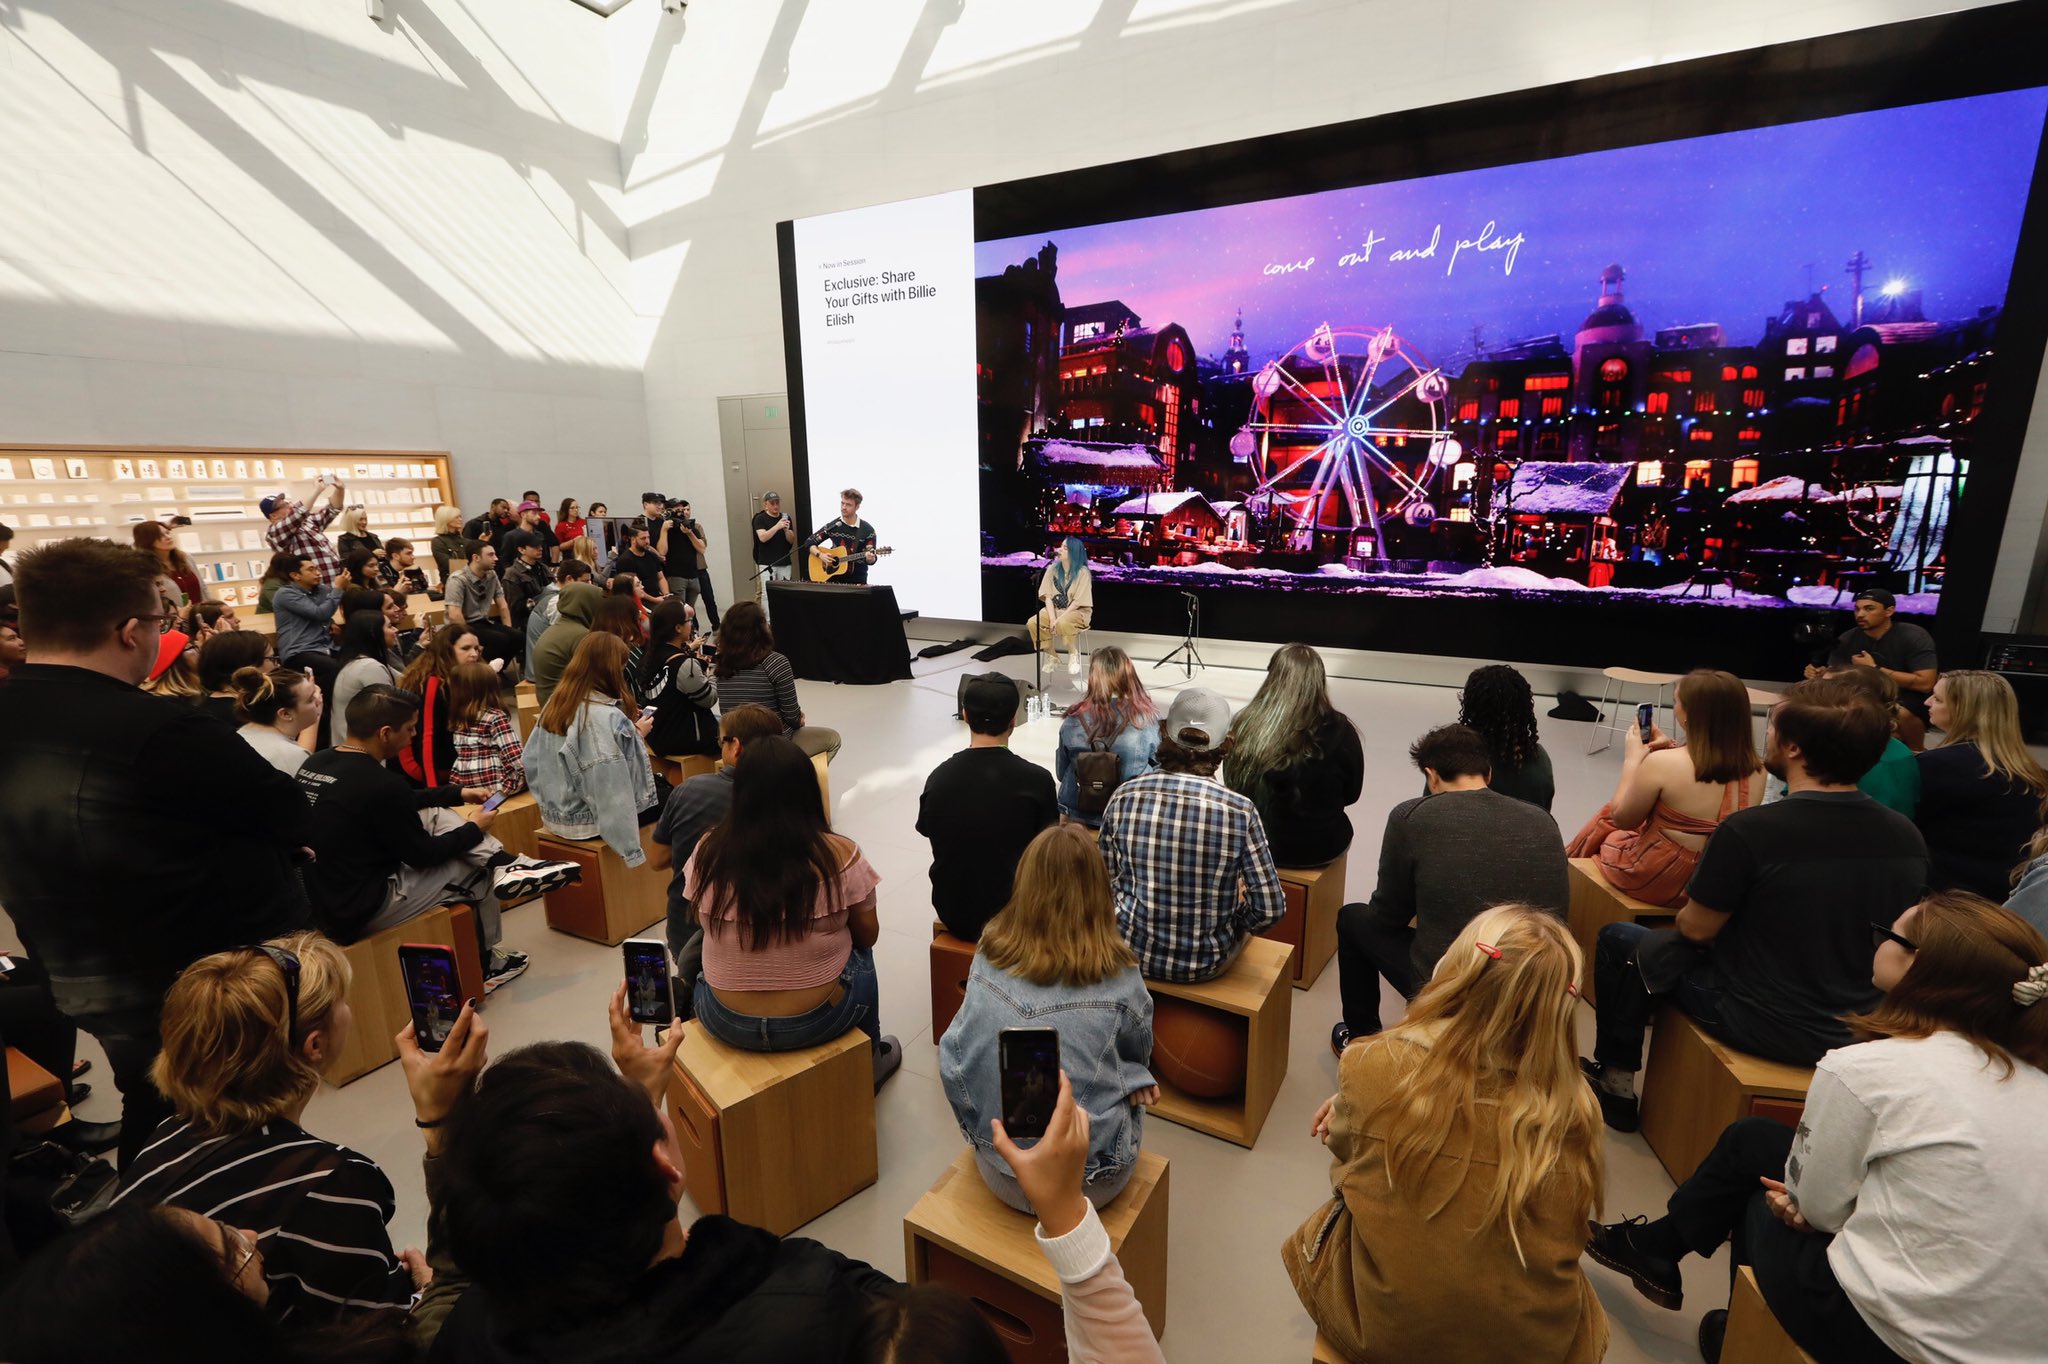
(1815, 635)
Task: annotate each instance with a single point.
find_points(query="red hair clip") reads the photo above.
(1489, 949)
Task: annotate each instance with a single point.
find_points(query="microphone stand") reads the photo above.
(1189, 654)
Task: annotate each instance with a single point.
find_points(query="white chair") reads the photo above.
(1614, 692)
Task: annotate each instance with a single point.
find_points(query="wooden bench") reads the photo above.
(1595, 904)
(1256, 988)
(952, 959)
(1314, 895)
(1754, 1335)
(961, 1235)
(613, 901)
(1694, 1086)
(376, 994)
(36, 1098)
(774, 1138)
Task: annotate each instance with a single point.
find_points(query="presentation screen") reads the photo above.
(1685, 383)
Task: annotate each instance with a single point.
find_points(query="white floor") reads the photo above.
(1229, 1300)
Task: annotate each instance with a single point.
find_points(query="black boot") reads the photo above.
(1655, 1277)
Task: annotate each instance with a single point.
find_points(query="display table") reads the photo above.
(832, 633)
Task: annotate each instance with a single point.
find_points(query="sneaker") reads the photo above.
(888, 1060)
(525, 878)
(1619, 1111)
(503, 968)
(1655, 1278)
(1340, 1038)
(1713, 1331)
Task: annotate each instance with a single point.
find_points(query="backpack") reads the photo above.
(1097, 774)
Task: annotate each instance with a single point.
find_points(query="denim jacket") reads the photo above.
(594, 781)
(1105, 1048)
(1133, 745)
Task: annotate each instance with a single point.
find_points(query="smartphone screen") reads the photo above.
(650, 996)
(494, 802)
(432, 991)
(1030, 1063)
(1646, 717)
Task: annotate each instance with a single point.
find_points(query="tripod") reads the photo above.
(1190, 645)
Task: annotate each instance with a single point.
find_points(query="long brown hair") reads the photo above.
(436, 660)
(618, 615)
(1059, 927)
(1719, 736)
(1971, 953)
(472, 691)
(744, 639)
(598, 667)
(1115, 697)
(1984, 710)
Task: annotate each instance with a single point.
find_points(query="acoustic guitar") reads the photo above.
(831, 561)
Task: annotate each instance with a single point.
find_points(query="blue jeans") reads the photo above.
(858, 1007)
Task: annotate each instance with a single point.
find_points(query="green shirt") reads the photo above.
(1895, 781)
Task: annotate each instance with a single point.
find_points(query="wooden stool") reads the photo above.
(613, 901)
(952, 959)
(819, 762)
(518, 825)
(528, 713)
(1614, 692)
(677, 770)
(961, 1235)
(1595, 904)
(1694, 1086)
(1255, 988)
(35, 1097)
(1754, 1335)
(376, 992)
(774, 1138)
(1314, 895)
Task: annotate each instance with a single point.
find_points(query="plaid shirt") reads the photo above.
(1192, 873)
(298, 531)
(487, 754)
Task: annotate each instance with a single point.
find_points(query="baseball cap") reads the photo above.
(1202, 711)
(1881, 595)
(771, 496)
(271, 503)
(169, 645)
(989, 699)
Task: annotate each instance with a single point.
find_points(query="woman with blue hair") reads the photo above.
(1067, 602)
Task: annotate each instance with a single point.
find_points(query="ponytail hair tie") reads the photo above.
(2031, 988)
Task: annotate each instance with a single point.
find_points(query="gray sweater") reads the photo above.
(1444, 858)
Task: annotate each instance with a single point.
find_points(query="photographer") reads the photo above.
(683, 553)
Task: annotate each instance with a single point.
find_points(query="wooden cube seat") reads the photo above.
(952, 959)
(36, 1099)
(518, 825)
(376, 992)
(1694, 1086)
(1754, 1335)
(774, 1138)
(961, 1235)
(1595, 904)
(528, 712)
(1314, 895)
(679, 768)
(1258, 990)
(613, 901)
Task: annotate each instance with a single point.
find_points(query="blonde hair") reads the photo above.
(1059, 927)
(352, 521)
(1503, 1028)
(580, 547)
(448, 521)
(181, 679)
(1983, 710)
(228, 1063)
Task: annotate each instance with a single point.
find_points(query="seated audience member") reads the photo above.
(1901, 1220)
(1053, 958)
(13, 650)
(205, 619)
(475, 597)
(220, 658)
(524, 578)
(788, 909)
(448, 548)
(1066, 603)
(386, 853)
(2029, 897)
(1114, 715)
(277, 574)
(367, 641)
(397, 610)
(619, 614)
(275, 708)
(1187, 855)
(575, 608)
(247, 1035)
(1445, 857)
(401, 565)
(673, 684)
(175, 839)
(586, 756)
(1772, 948)
(1672, 797)
(751, 673)
(305, 610)
(1981, 792)
(554, 1181)
(429, 760)
(353, 534)
(1498, 704)
(176, 671)
(1894, 780)
(31, 1023)
(545, 610)
(1299, 759)
(1464, 1152)
(161, 1284)
(1902, 650)
(693, 810)
(487, 750)
(981, 808)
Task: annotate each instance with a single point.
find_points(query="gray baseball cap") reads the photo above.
(771, 497)
(1198, 711)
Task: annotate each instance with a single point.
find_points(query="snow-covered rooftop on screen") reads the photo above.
(1543, 488)
(1160, 503)
(1097, 455)
(1788, 488)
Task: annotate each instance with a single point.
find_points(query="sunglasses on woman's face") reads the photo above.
(1880, 934)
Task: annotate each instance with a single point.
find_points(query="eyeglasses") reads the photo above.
(288, 963)
(237, 1250)
(164, 620)
(1493, 954)
(1880, 934)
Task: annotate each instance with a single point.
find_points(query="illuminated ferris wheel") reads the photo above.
(1346, 429)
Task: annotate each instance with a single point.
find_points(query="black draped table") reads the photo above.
(834, 633)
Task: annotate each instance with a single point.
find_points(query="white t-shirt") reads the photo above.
(1928, 1167)
(280, 752)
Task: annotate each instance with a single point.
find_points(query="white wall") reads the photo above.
(273, 222)
(772, 109)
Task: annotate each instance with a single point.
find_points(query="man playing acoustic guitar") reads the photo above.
(846, 539)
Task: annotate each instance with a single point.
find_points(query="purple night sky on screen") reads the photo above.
(1709, 229)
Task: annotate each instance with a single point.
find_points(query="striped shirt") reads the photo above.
(1192, 874)
(318, 1210)
(768, 683)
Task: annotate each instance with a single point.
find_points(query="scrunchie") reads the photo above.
(2031, 988)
